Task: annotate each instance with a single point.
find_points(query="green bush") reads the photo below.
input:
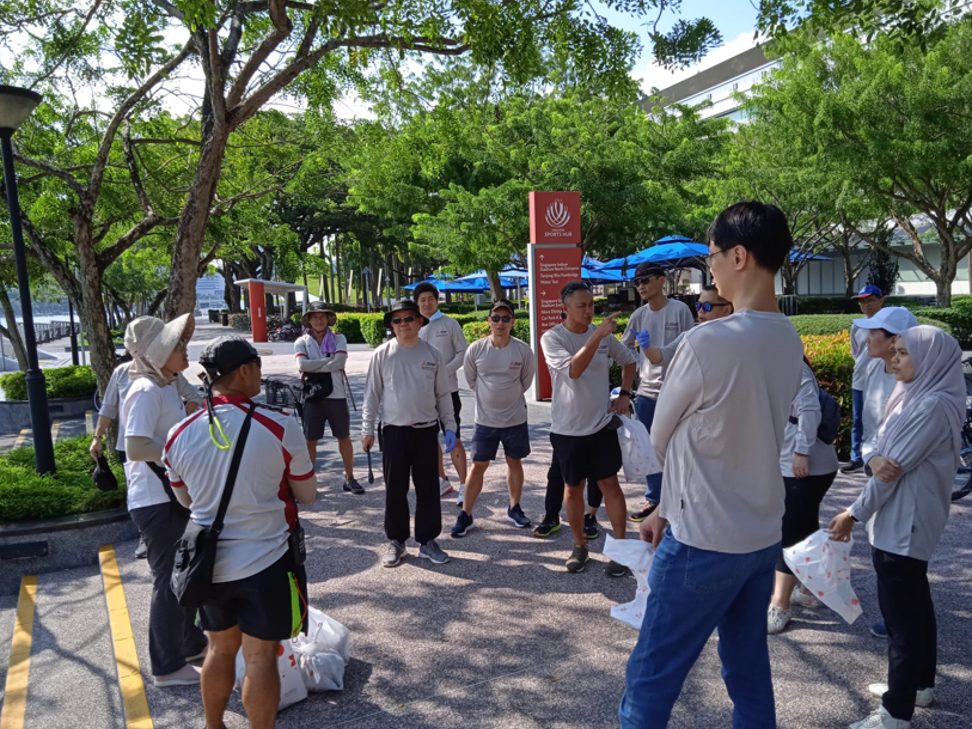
(25, 495)
(956, 320)
(825, 324)
(350, 326)
(240, 321)
(831, 360)
(373, 328)
(479, 329)
(62, 382)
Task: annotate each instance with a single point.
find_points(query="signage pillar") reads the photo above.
(554, 260)
(258, 311)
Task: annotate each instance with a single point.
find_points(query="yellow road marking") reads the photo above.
(55, 426)
(22, 437)
(137, 714)
(15, 701)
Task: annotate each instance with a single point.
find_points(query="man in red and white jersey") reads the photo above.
(258, 594)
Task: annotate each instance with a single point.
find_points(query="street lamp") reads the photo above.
(16, 105)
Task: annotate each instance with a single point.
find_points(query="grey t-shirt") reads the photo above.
(446, 335)
(801, 437)
(407, 386)
(664, 326)
(499, 377)
(580, 405)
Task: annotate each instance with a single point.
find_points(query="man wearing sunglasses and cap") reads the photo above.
(259, 594)
(659, 323)
(408, 390)
(870, 299)
(499, 369)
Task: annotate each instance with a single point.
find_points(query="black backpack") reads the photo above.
(829, 417)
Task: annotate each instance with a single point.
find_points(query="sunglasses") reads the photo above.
(699, 306)
(641, 280)
(498, 319)
(403, 320)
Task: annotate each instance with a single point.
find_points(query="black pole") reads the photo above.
(74, 335)
(36, 385)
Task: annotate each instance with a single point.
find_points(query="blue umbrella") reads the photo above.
(437, 281)
(474, 283)
(678, 255)
(797, 256)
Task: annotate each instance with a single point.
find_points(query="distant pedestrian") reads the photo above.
(408, 393)
(870, 299)
(905, 506)
(321, 355)
(499, 369)
(446, 335)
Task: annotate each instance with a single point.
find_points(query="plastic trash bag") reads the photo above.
(823, 566)
(637, 453)
(292, 688)
(637, 556)
(323, 653)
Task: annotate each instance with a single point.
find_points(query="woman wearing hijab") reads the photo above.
(153, 405)
(905, 505)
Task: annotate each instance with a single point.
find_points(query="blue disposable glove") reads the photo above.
(643, 339)
(450, 441)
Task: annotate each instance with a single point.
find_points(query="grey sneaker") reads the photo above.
(394, 554)
(577, 561)
(354, 487)
(141, 551)
(433, 552)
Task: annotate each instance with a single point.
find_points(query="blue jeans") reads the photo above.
(693, 592)
(857, 430)
(645, 410)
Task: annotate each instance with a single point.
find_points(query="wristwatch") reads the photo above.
(625, 393)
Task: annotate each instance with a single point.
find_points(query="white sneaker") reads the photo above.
(776, 619)
(445, 486)
(462, 492)
(881, 719)
(924, 699)
(801, 598)
(188, 675)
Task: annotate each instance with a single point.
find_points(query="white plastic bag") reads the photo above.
(292, 688)
(637, 556)
(823, 566)
(637, 453)
(323, 653)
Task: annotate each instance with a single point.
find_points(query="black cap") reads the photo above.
(404, 305)
(103, 477)
(226, 355)
(502, 304)
(648, 268)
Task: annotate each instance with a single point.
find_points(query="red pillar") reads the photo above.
(258, 311)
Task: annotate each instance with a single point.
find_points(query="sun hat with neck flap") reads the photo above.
(151, 342)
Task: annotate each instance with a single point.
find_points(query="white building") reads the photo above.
(210, 292)
(717, 85)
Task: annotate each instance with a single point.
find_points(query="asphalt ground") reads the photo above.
(501, 636)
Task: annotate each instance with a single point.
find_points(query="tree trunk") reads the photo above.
(848, 272)
(494, 285)
(11, 331)
(943, 291)
(90, 308)
(191, 233)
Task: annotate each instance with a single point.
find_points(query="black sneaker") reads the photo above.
(578, 559)
(590, 526)
(463, 524)
(354, 487)
(548, 527)
(515, 516)
(613, 569)
(852, 466)
(644, 512)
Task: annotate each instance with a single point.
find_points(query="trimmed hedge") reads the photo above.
(373, 328)
(826, 324)
(25, 495)
(956, 320)
(62, 382)
(350, 326)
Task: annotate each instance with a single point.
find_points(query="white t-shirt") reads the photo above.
(499, 377)
(664, 326)
(579, 406)
(149, 411)
(859, 353)
(314, 360)
(878, 387)
(718, 431)
(262, 510)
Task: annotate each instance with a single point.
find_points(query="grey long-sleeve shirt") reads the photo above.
(407, 386)
(310, 359)
(446, 335)
(908, 516)
(801, 437)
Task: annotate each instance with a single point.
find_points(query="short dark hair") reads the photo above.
(713, 289)
(887, 334)
(425, 288)
(759, 228)
(572, 288)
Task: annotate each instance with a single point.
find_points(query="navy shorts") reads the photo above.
(515, 440)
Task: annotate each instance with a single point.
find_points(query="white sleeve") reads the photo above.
(459, 344)
(669, 350)
(808, 413)
(529, 369)
(109, 403)
(681, 396)
(374, 389)
(175, 479)
(555, 353)
(143, 407)
(300, 466)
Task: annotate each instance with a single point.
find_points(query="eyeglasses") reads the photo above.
(713, 255)
(498, 319)
(706, 307)
(642, 280)
(403, 320)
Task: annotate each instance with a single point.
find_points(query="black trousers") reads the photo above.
(553, 501)
(411, 453)
(802, 515)
(909, 615)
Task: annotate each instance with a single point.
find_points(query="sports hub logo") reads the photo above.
(557, 217)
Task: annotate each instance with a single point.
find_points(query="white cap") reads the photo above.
(894, 319)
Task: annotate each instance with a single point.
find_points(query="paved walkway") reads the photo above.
(502, 636)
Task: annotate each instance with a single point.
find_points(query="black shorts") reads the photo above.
(332, 411)
(456, 409)
(270, 605)
(515, 440)
(596, 456)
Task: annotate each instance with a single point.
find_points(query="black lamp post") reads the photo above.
(16, 105)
